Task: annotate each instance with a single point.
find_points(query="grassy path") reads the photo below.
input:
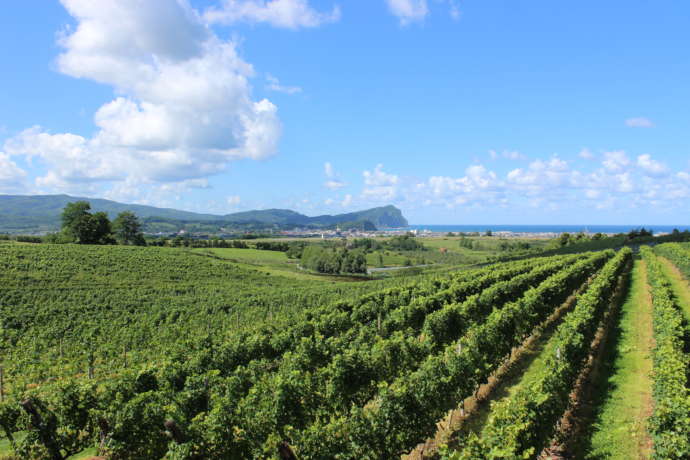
(679, 285)
(523, 368)
(619, 429)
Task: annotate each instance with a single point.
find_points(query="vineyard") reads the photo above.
(162, 353)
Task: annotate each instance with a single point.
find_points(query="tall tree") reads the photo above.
(71, 216)
(127, 229)
(80, 226)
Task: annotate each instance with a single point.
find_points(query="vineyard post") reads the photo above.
(91, 363)
(124, 349)
(2, 383)
(173, 431)
(285, 452)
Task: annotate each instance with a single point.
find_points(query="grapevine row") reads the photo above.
(670, 422)
(405, 412)
(520, 425)
(347, 370)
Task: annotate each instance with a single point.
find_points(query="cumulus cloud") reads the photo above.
(541, 176)
(12, 177)
(586, 154)
(639, 122)
(651, 167)
(614, 183)
(379, 185)
(273, 84)
(288, 14)
(347, 201)
(507, 154)
(408, 11)
(478, 185)
(332, 180)
(184, 108)
(616, 161)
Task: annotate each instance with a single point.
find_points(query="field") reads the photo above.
(170, 353)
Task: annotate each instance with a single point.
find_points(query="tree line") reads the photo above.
(333, 261)
(79, 225)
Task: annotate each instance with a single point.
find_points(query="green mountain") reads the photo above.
(41, 213)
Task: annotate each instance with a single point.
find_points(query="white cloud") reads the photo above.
(184, 109)
(408, 11)
(347, 201)
(541, 176)
(333, 184)
(12, 177)
(651, 167)
(328, 170)
(233, 200)
(507, 154)
(380, 186)
(616, 161)
(332, 180)
(273, 84)
(639, 122)
(288, 14)
(478, 185)
(379, 177)
(454, 10)
(586, 154)
(549, 184)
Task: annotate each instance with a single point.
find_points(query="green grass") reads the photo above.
(390, 259)
(524, 370)
(273, 263)
(248, 255)
(619, 429)
(679, 285)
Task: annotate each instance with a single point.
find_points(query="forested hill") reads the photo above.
(38, 213)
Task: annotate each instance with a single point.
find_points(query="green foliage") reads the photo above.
(80, 226)
(127, 229)
(242, 362)
(521, 425)
(333, 261)
(670, 423)
(404, 243)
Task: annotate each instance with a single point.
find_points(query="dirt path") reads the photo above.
(624, 393)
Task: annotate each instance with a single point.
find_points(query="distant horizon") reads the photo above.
(680, 227)
(623, 225)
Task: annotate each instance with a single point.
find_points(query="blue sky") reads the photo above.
(473, 111)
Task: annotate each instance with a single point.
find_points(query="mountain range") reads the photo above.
(41, 213)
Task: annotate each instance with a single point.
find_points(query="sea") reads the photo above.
(546, 228)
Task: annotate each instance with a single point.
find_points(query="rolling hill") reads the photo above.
(41, 213)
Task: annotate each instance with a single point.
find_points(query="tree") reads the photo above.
(127, 229)
(71, 215)
(80, 226)
(564, 239)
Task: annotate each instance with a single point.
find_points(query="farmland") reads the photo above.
(179, 353)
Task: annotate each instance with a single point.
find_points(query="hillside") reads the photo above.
(41, 213)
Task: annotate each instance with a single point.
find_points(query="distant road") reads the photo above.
(388, 269)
